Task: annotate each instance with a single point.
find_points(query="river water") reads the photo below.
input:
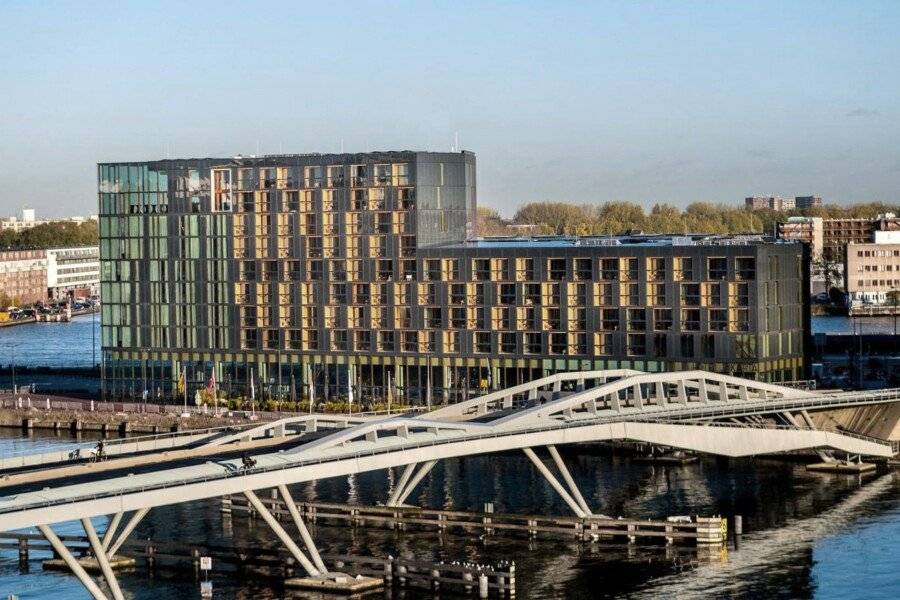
(806, 535)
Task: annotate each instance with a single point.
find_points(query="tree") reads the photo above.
(52, 235)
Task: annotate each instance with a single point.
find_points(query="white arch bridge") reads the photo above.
(692, 410)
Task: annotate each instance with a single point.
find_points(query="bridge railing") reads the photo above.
(60, 452)
(776, 426)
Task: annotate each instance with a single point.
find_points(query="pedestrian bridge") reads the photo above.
(694, 410)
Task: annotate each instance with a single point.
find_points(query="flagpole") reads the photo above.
(252, 395)
(349, 391)
(184, 386)
(388, 393)
(428, 387)
(215, 391)
(312, 389)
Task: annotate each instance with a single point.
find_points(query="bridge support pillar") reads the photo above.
(551, 479)
(281, 533)
(408, 482)
(72, 563)
(301, 527)
(102, 559)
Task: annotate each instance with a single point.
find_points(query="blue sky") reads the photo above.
(584, 102)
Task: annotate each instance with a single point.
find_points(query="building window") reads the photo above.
(745, 268)
(716, 268)
(718, 320)
(745, 346)
(637, 344)
(690, 319)
(690, 294)
(662, 319)
(508, 343)
(637, 319)
(532, 343)
(609, 319)
(556, 268)
(684, 268)
(687, 345)
(482, 342)
(708, 345)
(660, 345)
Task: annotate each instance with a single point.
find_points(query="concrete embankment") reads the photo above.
(108, 422)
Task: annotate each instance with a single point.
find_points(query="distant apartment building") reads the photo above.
(23, 275)
(873, 272)
(829, 237)
(73, 272)
(28, 220)
(782, 204)
(804, 202)
(769, 202)
(355, 269)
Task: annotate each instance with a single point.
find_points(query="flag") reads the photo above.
(179, 384)
(211, 386)
(252, 388)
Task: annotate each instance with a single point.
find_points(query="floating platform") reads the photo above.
(90, 564)
(841, 467)
(338, 583)
(667, 459)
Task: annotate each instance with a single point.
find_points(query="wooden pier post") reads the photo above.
(23, 549)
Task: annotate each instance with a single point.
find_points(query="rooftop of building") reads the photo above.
(652, 240)
(290, 158)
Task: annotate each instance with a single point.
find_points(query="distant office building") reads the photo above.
(323, 271)
(804, 202)
(73, 272)
(23, 275)
(27, 220)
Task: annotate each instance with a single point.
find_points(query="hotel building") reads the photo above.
(357, 269)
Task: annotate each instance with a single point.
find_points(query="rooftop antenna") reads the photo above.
(456, 141)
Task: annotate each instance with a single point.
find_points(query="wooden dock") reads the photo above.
(693, 530)
(486, 580)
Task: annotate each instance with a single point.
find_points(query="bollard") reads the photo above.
(401, 574)
(27, 424)
(124, 428)
(76, 426)
(482, 586)
(738, 525)
(435, 579)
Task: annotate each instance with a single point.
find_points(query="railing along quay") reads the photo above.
(699, 530)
